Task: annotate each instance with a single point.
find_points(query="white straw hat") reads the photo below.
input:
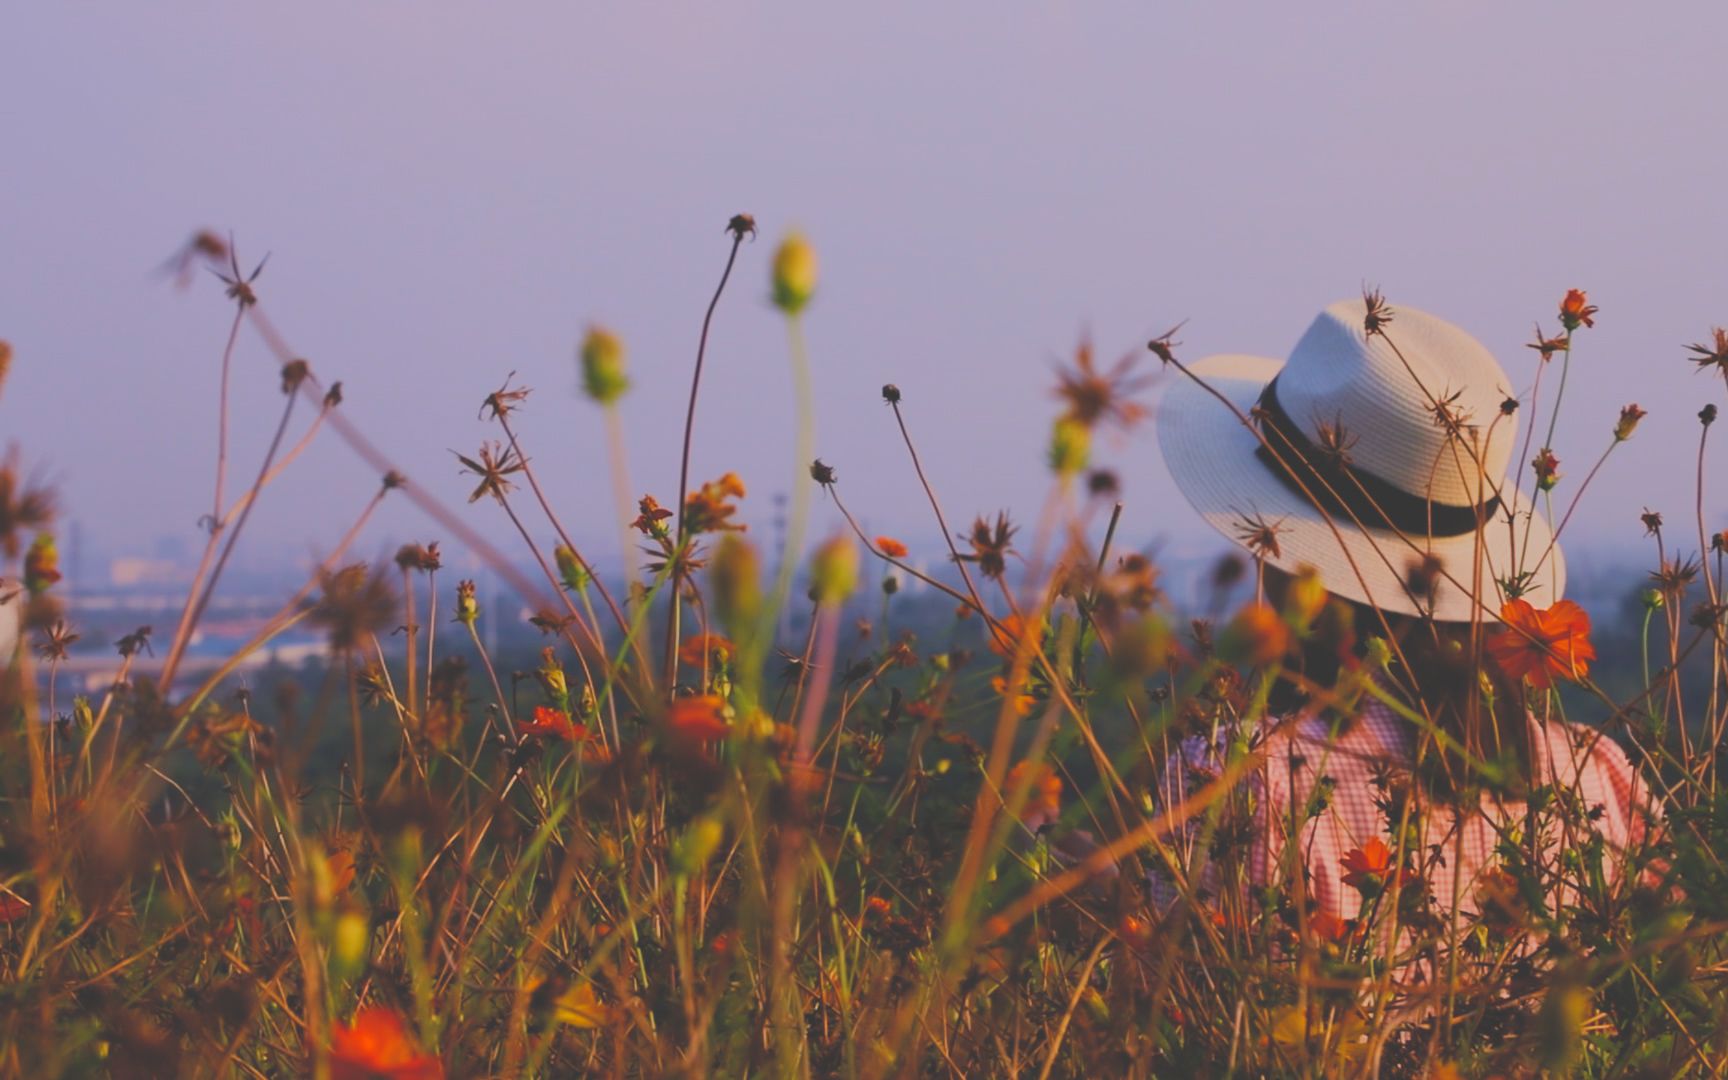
(1361, 456)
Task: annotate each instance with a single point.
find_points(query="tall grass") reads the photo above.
(835, 853)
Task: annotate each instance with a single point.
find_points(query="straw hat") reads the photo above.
(1400, 439)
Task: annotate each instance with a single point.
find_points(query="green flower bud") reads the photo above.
(735, 586)
(603, 377)
(570, 569)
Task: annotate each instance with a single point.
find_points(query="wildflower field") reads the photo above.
(755, 810)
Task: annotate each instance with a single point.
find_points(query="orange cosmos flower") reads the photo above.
(1043, 792)
(1013, 629)
(700, 717)
(890, 547)
(1540, 645)
(1371, 870)
(1023, 701)
(1576, 310)
(376, 1046)
(550, 723)
(699, 647)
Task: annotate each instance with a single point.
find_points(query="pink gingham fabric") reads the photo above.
(1299, 753)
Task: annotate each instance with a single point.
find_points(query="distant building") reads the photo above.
(138, 572)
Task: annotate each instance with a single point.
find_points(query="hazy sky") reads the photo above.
(450, 191)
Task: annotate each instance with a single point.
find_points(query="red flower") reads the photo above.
(550, 723)
(1576, 310)
(1543, 645)
(890, 547)
(377, 1047)
(1371, 869)
(699, 647)
(700, 717)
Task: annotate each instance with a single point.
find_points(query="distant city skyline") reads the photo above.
(450, 195)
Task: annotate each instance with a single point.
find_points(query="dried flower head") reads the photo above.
(1675, 576)
(1707, 415)
(1259, 536)
(504, 400)
(740, 226)
(1711, 354)
(1546, 347)
(1377, 314)
(1095, 397)
(990, 545)
(52, 646)
(495, 466)
(1652, 521)
(1335, 441)
(240, 287)
(1163, 347)
(890, 394)
(823, 473)
(356, 604)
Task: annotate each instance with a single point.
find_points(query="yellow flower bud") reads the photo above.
(834, 571)
(603, 377)
(794, 273)
(691, 851)
(351, 942)
(1305, 599)
(1070, 445)
(734, 582)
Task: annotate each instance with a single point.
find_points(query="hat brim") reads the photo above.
(1211, 455)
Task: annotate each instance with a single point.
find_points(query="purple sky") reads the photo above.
(451, 191)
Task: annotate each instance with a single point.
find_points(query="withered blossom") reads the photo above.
(1258, 535)
(135, 642)
(1095, 397)
(990, 545)
(497, 463)
(1163, 346)
(1652, 521)
(1675, 576)
(504, 401)
(740, 226)
(1377, 314)
(1546, 347)
(1713, 353)
(55, 641)
(357, 603)
(240, 287)
(823, 473)
(890, 394)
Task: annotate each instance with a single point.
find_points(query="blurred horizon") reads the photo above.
(449, 196)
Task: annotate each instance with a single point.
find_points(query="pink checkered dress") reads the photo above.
(1456, 846)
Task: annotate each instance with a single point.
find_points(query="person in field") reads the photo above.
(1412, 763)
